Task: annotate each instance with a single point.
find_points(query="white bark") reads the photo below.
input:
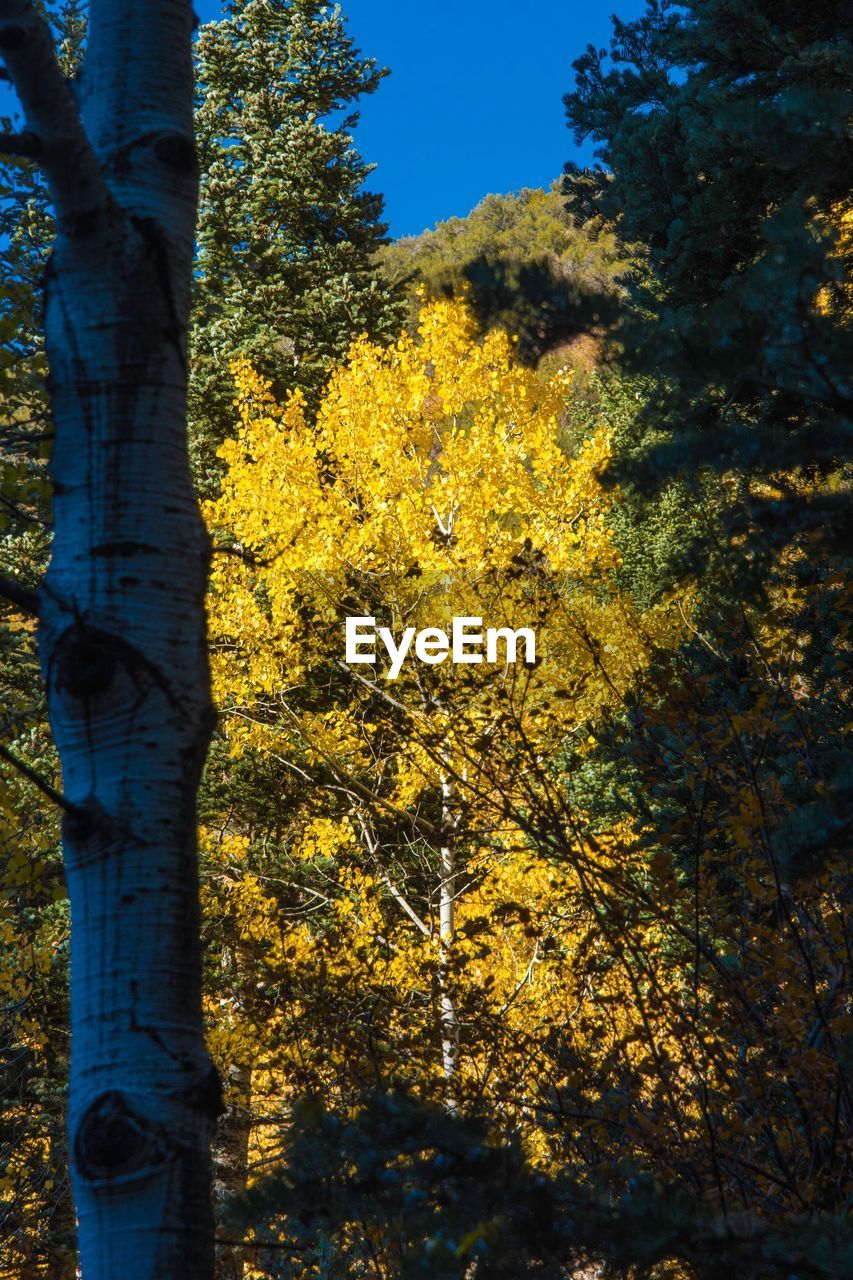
(122, 626)
(446, 929)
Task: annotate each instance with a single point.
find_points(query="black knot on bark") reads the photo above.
(81, 824)
(81, 223)
(115, 1141)
(86, 660)
(12, 37)
(177, 151)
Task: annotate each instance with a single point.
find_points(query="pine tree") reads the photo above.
(287, 233)
(722, 126)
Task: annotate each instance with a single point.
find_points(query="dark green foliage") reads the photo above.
(662, 534)
(38, 1222)
(26, 228)
(724, 128)
(287, 233)
(422, 1192)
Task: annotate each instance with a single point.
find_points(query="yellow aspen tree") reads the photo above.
(436, 484)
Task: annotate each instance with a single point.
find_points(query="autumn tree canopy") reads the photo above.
(533, 964)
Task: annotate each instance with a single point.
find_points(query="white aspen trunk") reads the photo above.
(121, 627)
(446, 927)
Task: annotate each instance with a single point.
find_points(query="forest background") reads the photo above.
(506, 970)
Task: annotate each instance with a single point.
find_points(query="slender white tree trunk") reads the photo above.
(122, 625)
(446, 928)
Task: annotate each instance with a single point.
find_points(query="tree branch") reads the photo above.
(24, 144)
(24, 598)
(20, 514)
(398, 897)
(54, 134)
(26, 771)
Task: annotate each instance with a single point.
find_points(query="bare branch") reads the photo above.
(375, 688)
(398, 897)
(24, 598)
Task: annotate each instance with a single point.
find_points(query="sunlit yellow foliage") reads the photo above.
(434, 483)
(421, 898)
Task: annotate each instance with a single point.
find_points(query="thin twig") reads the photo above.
(24, 598)
(37, 780)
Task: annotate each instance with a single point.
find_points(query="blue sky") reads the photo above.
(473, 104)
(474, 101)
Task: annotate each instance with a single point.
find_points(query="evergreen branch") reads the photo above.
(26, 771)
(261, 1244)
(24, 598)
(508, 1217)
(20, 514)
